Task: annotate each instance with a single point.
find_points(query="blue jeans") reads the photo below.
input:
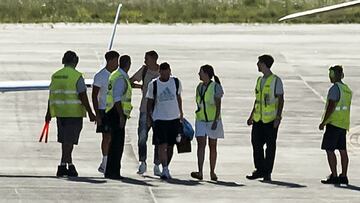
(143, 132)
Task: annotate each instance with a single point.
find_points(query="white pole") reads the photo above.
(114, 27)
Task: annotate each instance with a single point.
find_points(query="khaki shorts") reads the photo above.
(69, 130)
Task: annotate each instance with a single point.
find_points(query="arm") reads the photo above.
(84, 101)
(121, 114)
(329, 110)
(137, 77)
(217, 114)
(250, 119)
(95, 102)
(48, 115)
(280, 109)
(179, 99)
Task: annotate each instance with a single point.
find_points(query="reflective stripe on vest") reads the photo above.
(206, 103)
(341, 115)
(64, 100)
(266, 103)
(126, 98)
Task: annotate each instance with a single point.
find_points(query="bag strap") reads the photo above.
(145, 69)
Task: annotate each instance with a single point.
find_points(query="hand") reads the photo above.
(92, 116)
(122, 121)
(321, 126)
(250, 121)
(47, 117)
(214, 125)
(277, 122)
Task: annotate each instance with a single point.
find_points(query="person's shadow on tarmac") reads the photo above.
(224, 183)
(93, 180)
(282, 183)
(348, 187)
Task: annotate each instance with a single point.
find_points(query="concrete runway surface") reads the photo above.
(302, 55)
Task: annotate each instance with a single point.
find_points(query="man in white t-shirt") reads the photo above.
(146, 74)
(100, 87)
(165, 114)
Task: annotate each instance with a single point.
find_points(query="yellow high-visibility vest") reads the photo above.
(266, 103)
(64, 99)
(206, 103)
(126, 99)
(341, 116)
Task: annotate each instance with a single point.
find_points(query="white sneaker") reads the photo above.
(157, 171)
(101, 168)
(165, 174)
(142, 168)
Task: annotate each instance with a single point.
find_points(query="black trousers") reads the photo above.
(261, 134)
(116, 147)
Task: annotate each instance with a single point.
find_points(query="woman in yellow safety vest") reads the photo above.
(208, 121)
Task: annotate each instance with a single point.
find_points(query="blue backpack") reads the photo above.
(188, 130)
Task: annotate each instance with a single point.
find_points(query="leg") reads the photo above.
(142, 137)
(213, 156)
(344, 162)
(332, 162)
(105, 143)
(163, 155)
(156, 155)
(270, 139)
(201, 141)
(258, 142)
(170, 152)
(66, 149)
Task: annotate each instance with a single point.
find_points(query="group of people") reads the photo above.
(161, 109)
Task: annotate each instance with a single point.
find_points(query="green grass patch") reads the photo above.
(170, 11)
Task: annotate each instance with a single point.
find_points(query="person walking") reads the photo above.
(118, 109)
(208, 120)
(265, 118)
(68, 102)
(164, 113)
(146, 74)
(337, 122)
(99, 91)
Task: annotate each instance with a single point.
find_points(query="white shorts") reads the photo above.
(203, 128)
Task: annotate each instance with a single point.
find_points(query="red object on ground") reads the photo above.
(45, 131)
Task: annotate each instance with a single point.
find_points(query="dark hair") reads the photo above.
(338, 70)
(124, 61)
(164, 66)
(152, 54)
(111, 55)
(267, 59)
(209, 70)
(70, 57)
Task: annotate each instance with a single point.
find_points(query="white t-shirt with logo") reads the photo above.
(101, 80)
(166, 103)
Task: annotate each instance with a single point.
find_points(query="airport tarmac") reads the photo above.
(302, 55)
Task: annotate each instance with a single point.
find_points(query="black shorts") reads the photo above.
(334, 138)
(69, 130)
(105, 126)
(165, 132)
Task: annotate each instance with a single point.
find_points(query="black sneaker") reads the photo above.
(72, 171)
(62, 171)
(343, 179)
(331, 180)
(255, 175)
(267, 177)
